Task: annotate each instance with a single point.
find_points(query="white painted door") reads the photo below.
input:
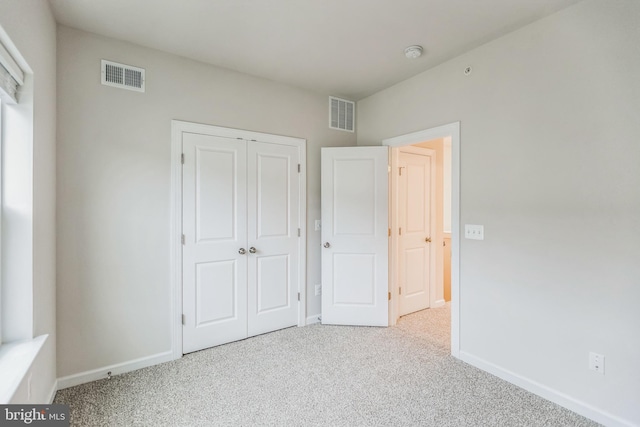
(241, 214)
(214, 226)
(414, 221)
(355, 253)
(273, 204)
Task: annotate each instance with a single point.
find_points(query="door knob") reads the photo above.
(428, 240)
(252, 250)
(242, 251)
(327, 245)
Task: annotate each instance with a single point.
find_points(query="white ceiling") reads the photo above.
(349, 48)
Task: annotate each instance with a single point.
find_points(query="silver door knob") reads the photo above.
(252, 250)
(242, 251)
(327, 245)
(428, 240)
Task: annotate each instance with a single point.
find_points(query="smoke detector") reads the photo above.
(413, 52)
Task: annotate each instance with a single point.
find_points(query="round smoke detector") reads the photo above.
(413, 52)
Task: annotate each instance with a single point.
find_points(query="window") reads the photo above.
(14, 154)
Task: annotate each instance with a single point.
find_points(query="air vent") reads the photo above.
(341, 114)
(122, 76)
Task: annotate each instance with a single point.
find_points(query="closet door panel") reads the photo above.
(214, 226)
(273, 201)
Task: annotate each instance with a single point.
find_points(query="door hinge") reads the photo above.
(400, 171)
(182, 239)
(182, 158)
(400, 291)
(389, 168)
(389, 296)
(298, 232)
(389, 232)
(400, 231)
(299, 168)
(184, 320)
(298, 296)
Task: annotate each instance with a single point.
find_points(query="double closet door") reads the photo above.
(241, 252)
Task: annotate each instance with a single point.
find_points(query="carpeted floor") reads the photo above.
(318, 376)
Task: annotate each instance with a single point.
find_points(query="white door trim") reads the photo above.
(450, 130)
(175, 228)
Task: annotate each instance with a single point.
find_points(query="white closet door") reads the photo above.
(273, 206)
(355, 254)
(214, 226)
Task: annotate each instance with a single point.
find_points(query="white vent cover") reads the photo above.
(341, 114)
(122, 76)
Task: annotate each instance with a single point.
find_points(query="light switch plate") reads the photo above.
(474, 232)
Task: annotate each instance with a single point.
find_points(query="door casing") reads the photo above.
(177, 128)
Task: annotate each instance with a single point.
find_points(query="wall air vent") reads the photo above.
(122, 76)
(341, 114)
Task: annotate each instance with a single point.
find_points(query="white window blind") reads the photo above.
(11, 75)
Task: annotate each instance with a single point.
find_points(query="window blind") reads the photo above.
(11, 75)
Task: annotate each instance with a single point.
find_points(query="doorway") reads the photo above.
(450, 136)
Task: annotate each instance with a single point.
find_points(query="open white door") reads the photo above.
(355, 253)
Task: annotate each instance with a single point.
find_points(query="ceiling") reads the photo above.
(348, 48)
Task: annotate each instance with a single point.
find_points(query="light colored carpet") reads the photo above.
(318, 376)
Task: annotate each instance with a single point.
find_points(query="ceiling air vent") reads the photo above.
(341, 114)
(122, 76)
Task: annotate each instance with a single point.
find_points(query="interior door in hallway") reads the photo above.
(355, 253)
(415, 228)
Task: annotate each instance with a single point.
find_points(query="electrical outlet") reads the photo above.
(596, 362)
(318, 290)
(474, 232)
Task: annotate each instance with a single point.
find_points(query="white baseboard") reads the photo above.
(313, 319)
(52, 393)
(118, 368)
(439, 303)
(548, 393)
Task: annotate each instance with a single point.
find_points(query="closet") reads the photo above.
(241, 234)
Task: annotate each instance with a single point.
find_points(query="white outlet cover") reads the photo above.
(474, 232)
(596, 362)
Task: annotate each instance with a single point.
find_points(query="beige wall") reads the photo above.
(549, 166)
(31, 27)
(114, 187)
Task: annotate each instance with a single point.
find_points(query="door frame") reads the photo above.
(449, 130)
(175, 230)
(394, 258)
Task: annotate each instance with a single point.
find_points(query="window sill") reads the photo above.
(15, 361)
